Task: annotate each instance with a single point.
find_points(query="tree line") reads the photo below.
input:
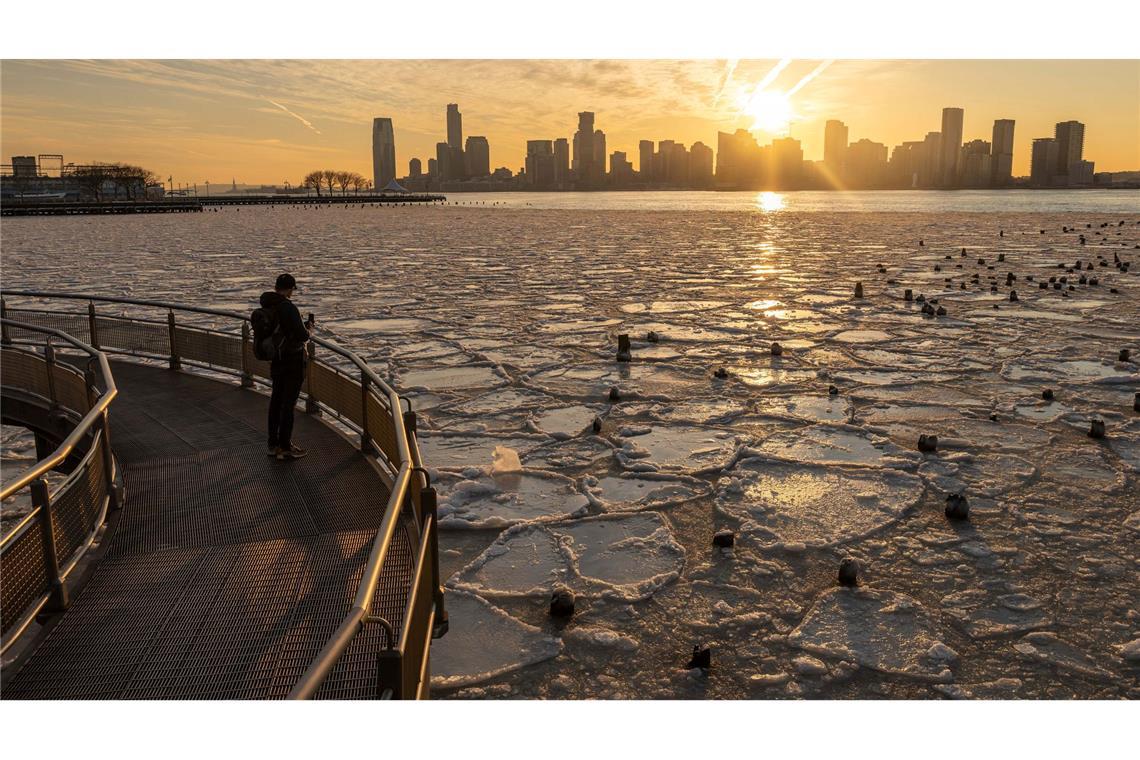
(329, 179)
(131, 179)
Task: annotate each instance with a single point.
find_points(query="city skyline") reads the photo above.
(261, 138)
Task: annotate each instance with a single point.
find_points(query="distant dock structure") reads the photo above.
(42, 207)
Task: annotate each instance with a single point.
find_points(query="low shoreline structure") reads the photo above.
(182, 206)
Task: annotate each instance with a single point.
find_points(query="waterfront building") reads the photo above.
(866, 163)
(930, 173)
(540, 163)
(700, 165)
(583, 162)
(433, 167)
(478, 156)
(786, 163)
(415, 168)
(951, 145)
(906, 164)
(561, 162)
(24, 167)
(738, 160)
(443, 161)
(1001, 163)
(645, 160)
(621, 169)
(383, 152)
(976, 164)
(835, 147)
(599, 155)
(454, 126)
(1070, 137)
(1043, 162)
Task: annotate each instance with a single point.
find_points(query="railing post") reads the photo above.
(108, 462)
(365, 438)
(246, 370)
(40, 498)
(310, 402)
(49, 367)
(389, 672)
(175, 361)
(430, 504)
(92, 327)
(5, 337)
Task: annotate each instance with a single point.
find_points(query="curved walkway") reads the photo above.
(226, 571)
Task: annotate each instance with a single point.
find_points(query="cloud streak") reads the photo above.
(296, 116)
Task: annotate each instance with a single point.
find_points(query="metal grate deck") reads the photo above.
(227, 571)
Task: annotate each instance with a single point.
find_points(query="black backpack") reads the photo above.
(267, 338)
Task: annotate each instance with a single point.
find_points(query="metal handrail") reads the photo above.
(94, 423)
(60, 455)
(408, 465)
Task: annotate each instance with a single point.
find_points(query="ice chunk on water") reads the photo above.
(839, 444)
(502, 499)
(1046, 647)
(459, 450)
(630, 492)
(623, 556)
(986, 613)
(482, 642)
(504, 459)
(600, 637)
(882, 630)
(677, 447)
(813, 505)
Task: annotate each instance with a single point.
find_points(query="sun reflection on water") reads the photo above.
(769, 201)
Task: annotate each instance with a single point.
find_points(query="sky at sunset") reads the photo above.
(268, 121)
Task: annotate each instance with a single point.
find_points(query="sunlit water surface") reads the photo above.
(500, 322)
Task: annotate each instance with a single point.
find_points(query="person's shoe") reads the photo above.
(293, 452)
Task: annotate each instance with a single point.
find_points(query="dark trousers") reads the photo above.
(288, 375)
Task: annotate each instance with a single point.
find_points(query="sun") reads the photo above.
(771, 111)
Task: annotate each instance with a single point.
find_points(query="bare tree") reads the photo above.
(313, 180)
(343, 179)
(91, 180)
(329, 177)
(357, 182)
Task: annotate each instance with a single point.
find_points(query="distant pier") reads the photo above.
(183, 206)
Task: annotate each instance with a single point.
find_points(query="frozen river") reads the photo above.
(501, 323)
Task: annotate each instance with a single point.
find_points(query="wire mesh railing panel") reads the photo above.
(207, 347)
(133, 336)
(75, 324)
(381, 429)
(23, 573)
(336, 391)
(76, 506)
(257, 367)
(71, 389)
(24, 370)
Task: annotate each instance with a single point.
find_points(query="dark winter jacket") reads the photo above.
(289, 322)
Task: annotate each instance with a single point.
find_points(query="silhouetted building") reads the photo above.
(976, 164)
(540, 163)
(478, 156)
(931, 174)
(383, 152)
(1070, 137)
(1043, 162)
(1001, 163)
(24, 167)
(786, 164)
(415, 168)
(621, 169)
(583, 163)
(906, 163)
(599, 155)
(454, 126)
(866, 163)
(645, 160)
(737, 160)
(433, 167)
(835, 147)
(561, 162)
(700, 165)
(1081, 173)
(443, 161)
(951, 145)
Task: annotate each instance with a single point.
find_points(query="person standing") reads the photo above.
(287, 370)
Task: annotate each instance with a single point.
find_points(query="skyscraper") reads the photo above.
(539, 163)
(700, 165)
(1043, 162)
(1070, 137)
(867, 163)
(645, 160)
(951, 145)
(599, 155)
(583, 164)
(454, 126)
(443, 160)
(415, 168)
(478, 156)
(835, 146)
(930, 174)
(976, 164)
(1001, 162)
(383, 152)
(561, 161)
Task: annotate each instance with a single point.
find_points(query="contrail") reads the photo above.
(815, 72)
(298, 117)
(730, 69)
(771, 75)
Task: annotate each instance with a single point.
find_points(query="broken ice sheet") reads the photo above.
(783, 503)
(483, 642)
(628, 491)
(503, 499)
(626, 556)
(676, 447)
(882, 630)
(991, 613)
(834, 444)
